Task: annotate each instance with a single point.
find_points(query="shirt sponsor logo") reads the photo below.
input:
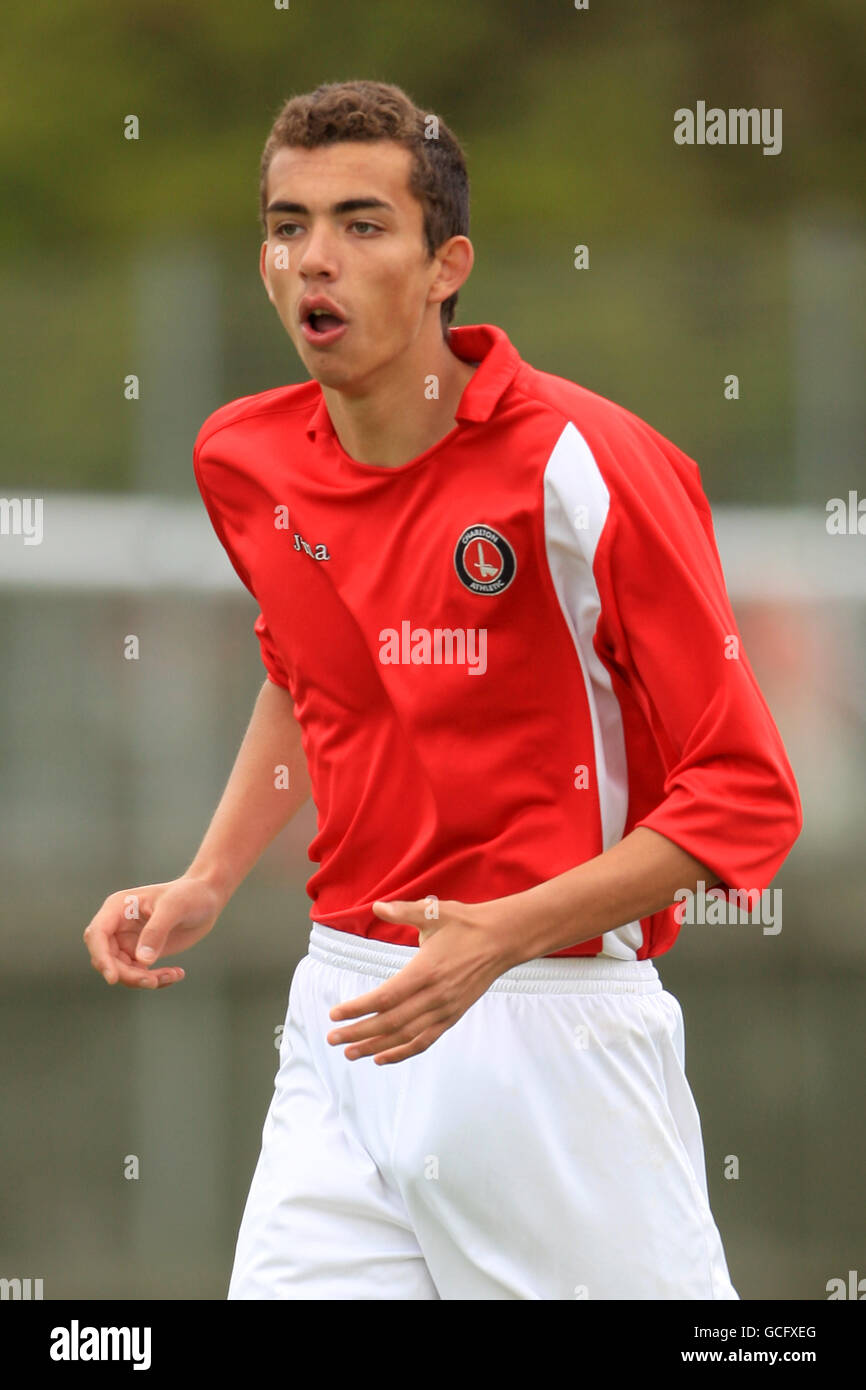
(484, 560)
(319, 552)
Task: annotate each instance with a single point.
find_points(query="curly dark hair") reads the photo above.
(338, 111)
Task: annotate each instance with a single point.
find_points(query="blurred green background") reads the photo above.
(122, 257)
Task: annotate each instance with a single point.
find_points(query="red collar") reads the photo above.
(483, 343)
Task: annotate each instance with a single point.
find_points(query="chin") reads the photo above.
(330, 374)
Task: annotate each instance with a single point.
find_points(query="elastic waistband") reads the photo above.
(564, 975)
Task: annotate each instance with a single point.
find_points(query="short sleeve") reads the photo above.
(273, 664)
(270, 656)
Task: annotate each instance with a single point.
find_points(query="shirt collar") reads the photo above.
(484, 343)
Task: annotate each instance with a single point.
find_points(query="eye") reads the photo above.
(285, 226)
(371, 225)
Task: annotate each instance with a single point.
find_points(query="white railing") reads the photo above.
(140, 543)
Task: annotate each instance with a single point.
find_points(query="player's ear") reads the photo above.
(263, 270)
(455, 258)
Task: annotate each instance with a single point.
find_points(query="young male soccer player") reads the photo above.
(500, 653)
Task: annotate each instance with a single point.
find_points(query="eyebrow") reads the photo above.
(337, 209)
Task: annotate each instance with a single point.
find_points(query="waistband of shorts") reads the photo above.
(562, 975)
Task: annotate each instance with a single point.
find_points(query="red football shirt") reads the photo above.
(504, 654)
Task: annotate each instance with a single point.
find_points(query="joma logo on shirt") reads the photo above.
(424, 646)
(319, 552)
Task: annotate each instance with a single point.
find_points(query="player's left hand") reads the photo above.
(460, 955)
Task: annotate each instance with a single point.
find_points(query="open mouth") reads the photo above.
(321, 321)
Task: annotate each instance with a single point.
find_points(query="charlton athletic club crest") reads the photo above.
(484, 560)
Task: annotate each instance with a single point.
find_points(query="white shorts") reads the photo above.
(547, 1146)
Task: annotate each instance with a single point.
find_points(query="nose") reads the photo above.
(318, 254)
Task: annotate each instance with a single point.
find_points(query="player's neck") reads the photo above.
(408, 410)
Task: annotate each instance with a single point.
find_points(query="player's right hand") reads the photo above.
(161, 917)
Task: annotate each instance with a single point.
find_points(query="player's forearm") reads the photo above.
(633, 879)
(256, 803)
